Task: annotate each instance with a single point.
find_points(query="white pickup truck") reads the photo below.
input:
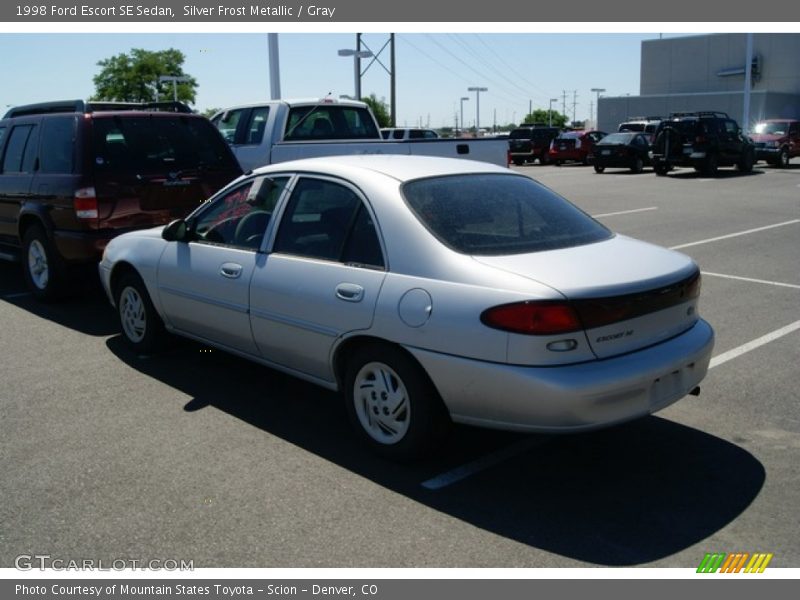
(280, 130)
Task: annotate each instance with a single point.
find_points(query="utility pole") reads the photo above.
(274, 67)
(563, 102)
(574, 103)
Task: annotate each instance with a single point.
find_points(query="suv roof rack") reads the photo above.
(66, 106)
(706, 113)
(644, 118)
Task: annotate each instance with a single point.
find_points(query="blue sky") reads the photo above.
(433, 69)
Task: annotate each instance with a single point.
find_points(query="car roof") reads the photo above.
(397, 166)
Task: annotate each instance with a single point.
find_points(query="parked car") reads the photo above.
(280, 130)
(76, 174)
(574, 146)
(528, 143)
(408, 133)
(702, 140)
(427, 290)
(629, 150)
(646, 125)
(777, 141)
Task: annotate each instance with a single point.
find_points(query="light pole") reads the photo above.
(477, 91)
(597, 107)
(550, 112)
(357, 56)
(463, 98)
(175, 81)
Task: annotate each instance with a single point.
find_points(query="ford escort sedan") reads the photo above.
(426, 290)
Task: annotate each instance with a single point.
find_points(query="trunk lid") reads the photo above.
(628, 294)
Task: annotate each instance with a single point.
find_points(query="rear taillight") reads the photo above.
(700, 139)
(85, 203)
(533, 318)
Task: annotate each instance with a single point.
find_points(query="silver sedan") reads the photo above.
(428, 291)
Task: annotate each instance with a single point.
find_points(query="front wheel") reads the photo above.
(141, 325)
(660, 169)
(544, 159)
(599, 169)
(746, 164)
(638, 165)
(518, 161)
(392, 403)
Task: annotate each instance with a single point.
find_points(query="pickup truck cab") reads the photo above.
(280, 130)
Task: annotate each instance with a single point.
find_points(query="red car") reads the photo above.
(777, 141)
(574, 145)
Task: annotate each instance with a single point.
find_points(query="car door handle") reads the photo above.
(230, 270)
(349, 292)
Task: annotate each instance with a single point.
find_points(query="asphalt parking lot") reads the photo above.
(197, 455)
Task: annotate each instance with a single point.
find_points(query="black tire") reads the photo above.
(638, 165)
(709, 166)
(783, 159)
(599, 169)
(42, 266)
(142, 327)
(544, 158)
(660, 169)
(557, 163)
(518, 161)
(406, 431)
(746, 164)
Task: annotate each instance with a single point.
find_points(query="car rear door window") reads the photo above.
(20, 152)
(256, 125)
(328, 221)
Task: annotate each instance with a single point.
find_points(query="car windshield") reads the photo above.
(496, 214)
(772, 128)
(617, 138)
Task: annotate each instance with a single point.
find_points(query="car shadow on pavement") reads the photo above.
(84, 308)
(722, 173)
(624, 496)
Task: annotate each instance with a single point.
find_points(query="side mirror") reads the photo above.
(176, 231)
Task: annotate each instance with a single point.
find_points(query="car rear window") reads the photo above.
(328, 122)
(145, 143)
(618, 138)
(495, 214)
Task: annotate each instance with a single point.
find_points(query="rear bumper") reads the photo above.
(82, 246)
(573, 397)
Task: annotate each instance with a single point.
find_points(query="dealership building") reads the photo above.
(707, 73)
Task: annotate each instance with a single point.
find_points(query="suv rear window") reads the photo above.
(144, 143)
(495, 214)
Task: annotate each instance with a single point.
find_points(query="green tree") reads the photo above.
(380, 109)
(134, 77)
(210, 112)
(541, 116)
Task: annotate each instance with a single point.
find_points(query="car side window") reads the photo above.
(20, 152)
(326, 220)
(58, 134)
(2, 136)
(240, 217)
(256, 125)
(227, 124)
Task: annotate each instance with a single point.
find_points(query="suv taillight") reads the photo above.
(85, 203)
(533, 317)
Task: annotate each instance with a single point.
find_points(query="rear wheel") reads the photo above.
(43, 267)
(783, 159)
(544, 158)
(518, 161)
(709, 166)
(638, 165)
(392, 403)
(141, 325)
(660, 169)
(599, 169)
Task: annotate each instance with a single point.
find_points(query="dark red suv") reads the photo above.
(73, 175)
(777, 141)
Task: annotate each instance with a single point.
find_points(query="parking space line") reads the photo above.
(625, 212)
(483, 463)
(751, 280)
(17, 295)
(752, 345)
(732, 235)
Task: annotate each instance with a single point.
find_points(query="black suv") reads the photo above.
(703, 140)
(529, 142)
(73, 175)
